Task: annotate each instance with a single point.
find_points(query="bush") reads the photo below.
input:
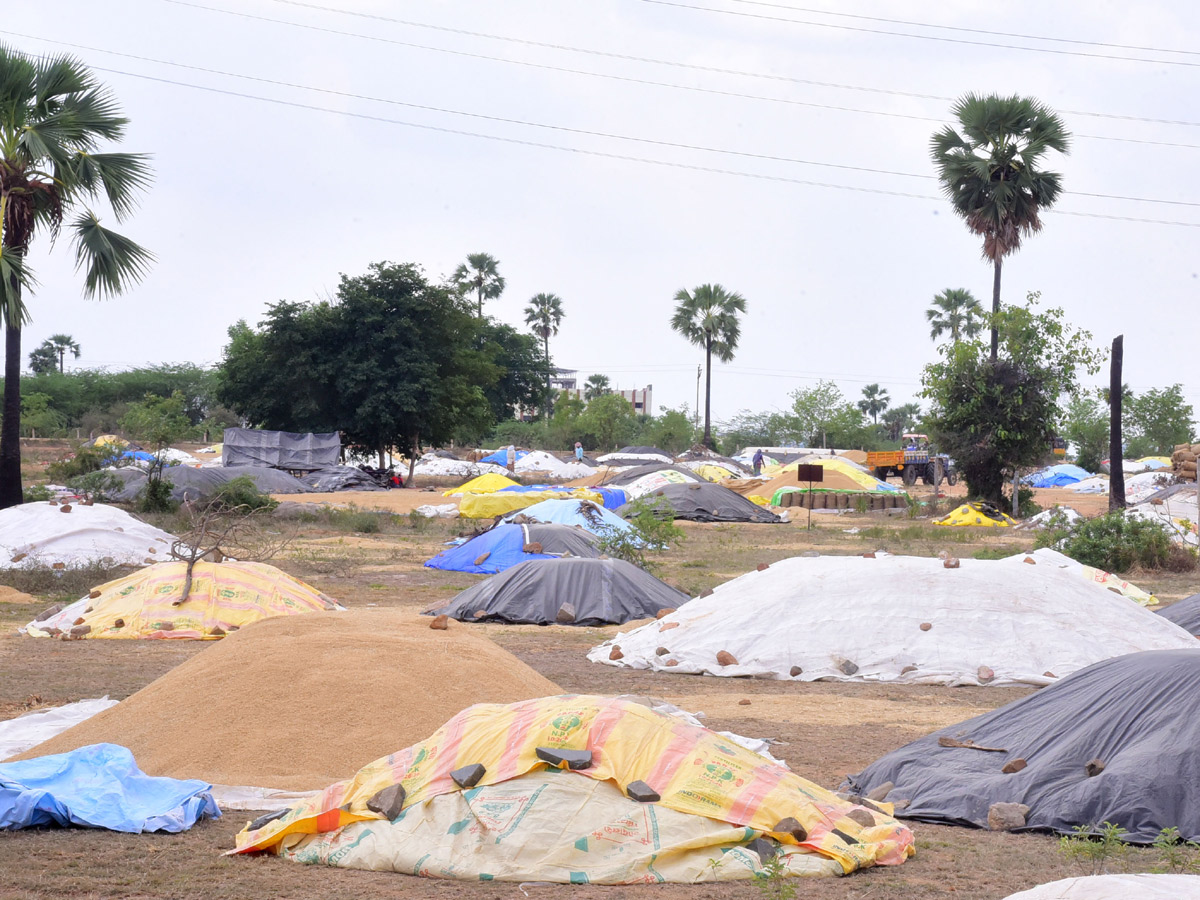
(85, 461)
(242, 492)
(156, 497)
(99, 486)
(37, 493)
(1117, 543)
(652, 529)
(1026, 505)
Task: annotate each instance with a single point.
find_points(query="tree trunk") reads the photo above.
(10, 427)
(708, 392)
(546, 348)
(996, 309)
(1116, 467)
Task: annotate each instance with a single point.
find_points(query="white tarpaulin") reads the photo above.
(896, 619)
(549, 825)
(1047, 556)
(28, 730)
(48, 534)
(1116, 887)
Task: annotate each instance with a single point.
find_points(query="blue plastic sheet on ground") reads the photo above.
(500, 457)
(1057, 476)
(99, 786)
(571, 512)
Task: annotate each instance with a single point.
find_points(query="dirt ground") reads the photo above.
(824, 730)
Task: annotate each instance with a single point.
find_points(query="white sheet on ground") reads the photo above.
(1116, 887)
(41, 534)
(28, 730)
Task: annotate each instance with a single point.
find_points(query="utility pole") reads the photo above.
(1116, 468)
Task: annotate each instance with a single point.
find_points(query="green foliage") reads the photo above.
(242, 493)
(956, 312)
(608, 422)
(652, 530)
(671, 430)
(995, 416)
(37, 492)
(1117, 543)
(39, 417)
(157, 421)
(99, 487)
(156, 497)
(1087, 428)
(596, 385)
(751, 429)
(1054, 531)
(822, 417)
(1026, 505)
(85, 461)
(875, 401)
(773, 883)
(1155, 421)
(520, 370)
(43, 360)
(709, 317)
(479, 276)
(1176, 856)
(1096, 851)
(519, 434)
(901, 419)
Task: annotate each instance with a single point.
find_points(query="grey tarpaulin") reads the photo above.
(1138, 714)
(566, 591)
(631, 475)
(192, 484)
(1184, 613)
(280, 449)
(706, 502)
(339, 478)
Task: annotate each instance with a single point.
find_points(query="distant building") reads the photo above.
(642, 399)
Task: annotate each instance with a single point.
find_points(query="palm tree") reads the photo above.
(61, 344)
(875, 400)
(544, 313)
(708, 317)
(990, 173)
(957, 311)
(900, 419)
(53, 117)
(596, 386)
(481, 274)
(43, 360)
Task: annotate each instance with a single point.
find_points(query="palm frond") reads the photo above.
(111, 262)
(15, 277)
(119, 176)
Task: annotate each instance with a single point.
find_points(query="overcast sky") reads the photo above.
(547, 133)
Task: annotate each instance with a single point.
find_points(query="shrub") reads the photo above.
(242, 492)
(99, 486)
(85, 460)
(1117, 543)
(652, 529)
(36, 493)
(156, 497)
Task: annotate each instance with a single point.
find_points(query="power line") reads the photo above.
(598, 153)
(1024, 37)
(604, 54)
(920, 37)
(623, 78)
(563, 128)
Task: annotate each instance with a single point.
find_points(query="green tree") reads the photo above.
(565, 427)
(480, 274)
(544, 314)
(157, 421)
(1158, 419)
(671, 430)
(708, 317)
(43, 360)
(38, 417)
(54, 117)
(954, 311)
(824, 418)
(609, 420)
(994, 416)
(990, 171)
(1087, 428)
(900, 419)
(62, 344)
(757, 429)
(596, 386)
(875, 400)
(519, 363)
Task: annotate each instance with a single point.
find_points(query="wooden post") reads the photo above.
(1016, 488)
(1116, 468)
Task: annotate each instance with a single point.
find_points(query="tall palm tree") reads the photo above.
(54, 116)
(481, 274)
(990, 172)
(708, 317)
(954, 310)
(544, 314)
(875, 400)
(596, 386)
(61, 344)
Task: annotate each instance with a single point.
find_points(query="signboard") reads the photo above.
(810, 473)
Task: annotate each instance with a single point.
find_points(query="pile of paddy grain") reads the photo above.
(295, 703)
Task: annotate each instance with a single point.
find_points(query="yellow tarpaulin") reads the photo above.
(977, 514)
(487, 506)
(692, 770)
(482, 484)
(223, 597)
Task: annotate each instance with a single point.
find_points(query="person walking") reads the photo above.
(578, 452)
(512, 458)
(757, 462)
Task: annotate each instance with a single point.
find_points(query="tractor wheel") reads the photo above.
(952, 478)
(882, 473)
(909, 474)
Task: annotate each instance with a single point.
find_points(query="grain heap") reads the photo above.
(1183, 461)
(295, 703)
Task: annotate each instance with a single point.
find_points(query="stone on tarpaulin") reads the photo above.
(641, 792)
(468, 776)
(725, 658)
(1007, 816)
(559, 757)
(388, 802)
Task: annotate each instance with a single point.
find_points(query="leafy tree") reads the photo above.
(544, 313)
(708, 317)
(954, 311)
(875, 400)
(43, 360)
(519, 363)
(990, 171)
(157, 421)
(1087, 428)
(38, 417)
(824, 418)
(994, 416)
(53, 118)
(565, 427)
(596, 386)
(609, 421)
(899, 419)
(479, 274)
(671, 431)
(761, 429)
(1158, 419)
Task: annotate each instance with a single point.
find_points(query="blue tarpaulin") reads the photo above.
(611, 497)
(1057, 476)
(573, 512)
(500, 457)
(504, 546)
(99, 786)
